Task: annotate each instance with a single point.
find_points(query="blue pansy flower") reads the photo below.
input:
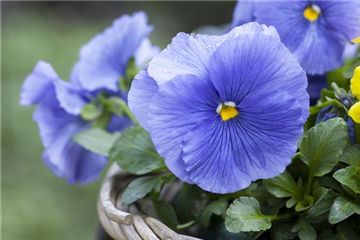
(314, 31)
(57, 101)
(223, 110)
(60, 103)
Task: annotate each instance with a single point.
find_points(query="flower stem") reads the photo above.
(281, 216)
(309, 183)
(186, 225)
(124, 107)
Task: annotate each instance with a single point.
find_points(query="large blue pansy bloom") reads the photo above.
(315, 31)
(60, 103)
(223, 110)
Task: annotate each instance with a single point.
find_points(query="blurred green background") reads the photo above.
(35, 204)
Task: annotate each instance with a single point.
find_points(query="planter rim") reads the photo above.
(127, 222)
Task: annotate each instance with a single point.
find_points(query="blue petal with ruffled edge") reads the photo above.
(58, 122)
(248, 66)
(66, 158)
(174, 110)
(71, 98)
(190, 54)
(103, 59)
(318, 45)
(145, 52)
(37, 84)
(142, 90)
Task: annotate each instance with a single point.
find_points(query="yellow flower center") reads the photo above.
(357, 40)
(312, 13)
(227, 110)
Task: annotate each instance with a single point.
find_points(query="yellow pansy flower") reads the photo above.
(354, 111)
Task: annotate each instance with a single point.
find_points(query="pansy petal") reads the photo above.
(243, 13)
(315, 84)
(142, 90)
(70, 97)
(51, 118)
(225, 156)
(251, 64)
(65, 158)
(351, 130)
(354, 112)
(355, 83)
(314, 53)
(174, 110)
(190, 54)
(37, 84)
(350, 51)
(118, 123)
(145, 52)
(183, 56)
(344, 16)
(104, 58)
(318, 45)
(69, 160)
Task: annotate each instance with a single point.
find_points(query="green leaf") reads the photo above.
(337, 77)
(330, 182)
(281, 230)
(320, 210)
(318, 191)
(285, 186)
(298, 169)
(323, 144)
(91, 111)
(342, 209)
(130, 72)
(140, 187)
(135, 152)
(217, 231)
(344, 231)
(96, 140)
(305, 204)
(316, 109)
(187, 201)
(350, 71)
(350, 177)
(305, 230)
(357, 132)
(102, 121)
(327, 94)
(351, 155)
(244, 215)
(166, 213)
(217, 207)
